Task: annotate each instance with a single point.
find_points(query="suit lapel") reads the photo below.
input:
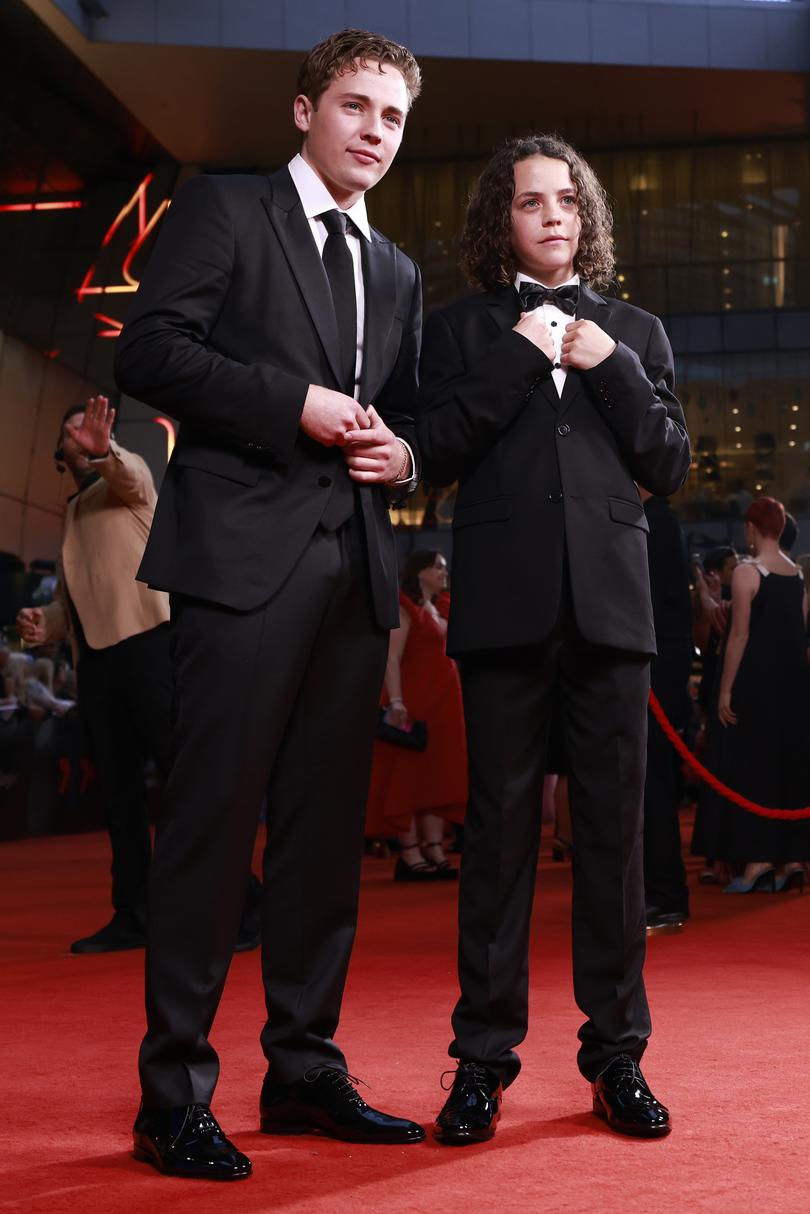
(294, 234)
(379, 290)
(590, 307)
(503, 306)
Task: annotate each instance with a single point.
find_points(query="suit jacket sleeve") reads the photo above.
(635, 397)
(164, 356)
(396, 401)
(463, 409)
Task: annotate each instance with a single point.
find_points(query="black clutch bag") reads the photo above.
(413, 738)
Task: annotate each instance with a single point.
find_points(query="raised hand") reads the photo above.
(30, 625)
(93, 435)
(375, 455)
(328, 416)
(585, 345)
(532, 326)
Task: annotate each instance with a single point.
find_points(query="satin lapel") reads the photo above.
(590, 307)
(504, 307)
(294, 234)
(379, 289)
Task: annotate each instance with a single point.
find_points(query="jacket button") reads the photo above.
(555, 497)
(324, 481)
(563, 430)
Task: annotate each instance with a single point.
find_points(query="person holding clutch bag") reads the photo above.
(414, 792)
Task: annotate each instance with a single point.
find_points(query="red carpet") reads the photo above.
(731, 1008)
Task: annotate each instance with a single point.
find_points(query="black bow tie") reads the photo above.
(564, 298)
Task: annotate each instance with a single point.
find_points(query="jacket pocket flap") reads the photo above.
(493, 510)
(622, 511)
(221, 462)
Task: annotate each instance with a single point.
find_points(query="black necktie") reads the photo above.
(564, 298)
(337, 261)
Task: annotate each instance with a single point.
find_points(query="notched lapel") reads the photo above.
(294, 234)
(590, 307)
(380, 290)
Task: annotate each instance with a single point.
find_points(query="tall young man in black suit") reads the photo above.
(270, 318)
(549, 403)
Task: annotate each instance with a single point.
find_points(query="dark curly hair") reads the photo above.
(487, 257)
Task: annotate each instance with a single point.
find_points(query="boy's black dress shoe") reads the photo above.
(119, 934)
(473, 1108)
(622, 1098)
(187, 1141)
(658, 918)
(326, 1101)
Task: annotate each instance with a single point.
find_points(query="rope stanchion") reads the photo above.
(723, 789)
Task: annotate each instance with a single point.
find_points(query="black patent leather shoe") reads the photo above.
(666, 920)
(116, 936)
(187, 1141)
(326, 1101)
(473, 1108)
(622, 1098)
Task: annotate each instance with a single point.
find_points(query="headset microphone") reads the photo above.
(59, 455)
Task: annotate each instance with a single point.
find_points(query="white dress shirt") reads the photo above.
(556, 320)
(316, 199)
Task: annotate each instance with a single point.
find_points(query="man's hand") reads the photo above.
(93, 435)
(532, 326)
(328, 416)
(375, 455)
(585, 345)
(31, 626)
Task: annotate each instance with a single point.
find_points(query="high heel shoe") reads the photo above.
(788, 878)
(420, 871)
(445, 871)
(764, 880)
(561, 849)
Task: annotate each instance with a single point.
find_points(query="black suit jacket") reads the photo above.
(544, 479)
(669, 572)
(232, 323)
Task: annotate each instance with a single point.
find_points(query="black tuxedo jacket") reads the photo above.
(232, 323)
(543, 480)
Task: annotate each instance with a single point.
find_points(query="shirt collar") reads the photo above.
(521, 278)
(315, 198)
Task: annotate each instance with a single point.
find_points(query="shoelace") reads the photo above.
(626, 1074)
(201, 1122)
(345, 1083)
(472, 1074)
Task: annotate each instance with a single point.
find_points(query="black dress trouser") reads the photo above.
(282, 700)
(125, 704)
(664, 872)
(508, 696)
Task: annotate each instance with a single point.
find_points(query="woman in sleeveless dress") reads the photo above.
(413, 792)
(763, 705)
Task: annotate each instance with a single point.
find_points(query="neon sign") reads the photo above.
(127, 284)
(72, 204)
(171, 434)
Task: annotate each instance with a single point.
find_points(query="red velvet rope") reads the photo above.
(713, 782)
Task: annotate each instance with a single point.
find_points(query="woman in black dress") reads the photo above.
(763, 704)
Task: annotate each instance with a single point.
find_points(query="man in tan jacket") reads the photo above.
(118, 630)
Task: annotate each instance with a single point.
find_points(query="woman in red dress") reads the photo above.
(414, 792)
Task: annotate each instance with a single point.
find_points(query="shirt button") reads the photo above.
(563, 430)
(555, 497)
(554, 324)
(557, 366)
(324, 481)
